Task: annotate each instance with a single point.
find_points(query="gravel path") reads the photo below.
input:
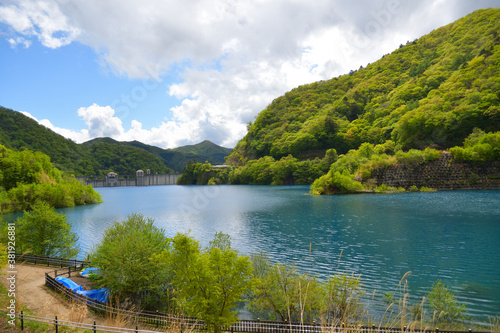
(32, 293)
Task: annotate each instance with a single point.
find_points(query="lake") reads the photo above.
(452, 236)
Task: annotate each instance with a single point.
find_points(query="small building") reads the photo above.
(139, 177)
(111, 179)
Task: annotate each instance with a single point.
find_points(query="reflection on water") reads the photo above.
(453, 236)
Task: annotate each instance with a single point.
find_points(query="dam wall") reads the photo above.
(114, 180)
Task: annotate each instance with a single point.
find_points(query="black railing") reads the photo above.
(50, 261)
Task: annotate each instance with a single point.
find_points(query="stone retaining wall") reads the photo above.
(442, 174)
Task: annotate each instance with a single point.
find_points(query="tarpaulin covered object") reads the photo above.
(100, 294)
(69, 283)
(89, 270)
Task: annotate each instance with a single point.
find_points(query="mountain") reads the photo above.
(102, 155)
(18, 132)
(178, 158)
(115, 156)
(430, 92)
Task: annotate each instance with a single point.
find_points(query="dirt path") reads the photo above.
(44, 302)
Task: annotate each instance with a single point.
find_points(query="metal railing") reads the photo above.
(50, 261)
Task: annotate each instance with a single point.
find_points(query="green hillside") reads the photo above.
(18, 132)
(178, 158)
(123, 159)
(430, 92)
(102, 155)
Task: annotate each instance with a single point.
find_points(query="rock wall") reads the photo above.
(442, 174)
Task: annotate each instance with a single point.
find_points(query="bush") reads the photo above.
(446, 310)
(336, 183)
(431, 154)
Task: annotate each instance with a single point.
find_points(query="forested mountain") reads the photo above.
(19, 132)
(430, 92)
(178, 158)
(123, 159)
(100, 156)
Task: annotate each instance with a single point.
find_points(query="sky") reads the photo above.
(175, 72)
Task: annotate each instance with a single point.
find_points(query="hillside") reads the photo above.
(430, 92)
(102, 155)
(123, 159)
(178, 158)
(18, 132)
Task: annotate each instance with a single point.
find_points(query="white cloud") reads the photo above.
(19, 41)
(240, 54)
(100, 121)
(41, 19)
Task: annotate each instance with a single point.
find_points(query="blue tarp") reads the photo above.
(100, 295)
(89, 270)
(69, 283)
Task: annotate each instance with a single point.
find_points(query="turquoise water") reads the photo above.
(452, 236)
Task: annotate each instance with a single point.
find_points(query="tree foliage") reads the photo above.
(431, 92)
(46, 233)
(283, 293)
(129, 258)
(210, 281)
(446, 310)
(478, 147)
(27, 177)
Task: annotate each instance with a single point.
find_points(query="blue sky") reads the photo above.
(171, 73)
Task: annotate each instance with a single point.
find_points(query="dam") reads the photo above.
(140, 178)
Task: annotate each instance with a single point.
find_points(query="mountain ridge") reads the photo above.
(100, 155)
(430, 92)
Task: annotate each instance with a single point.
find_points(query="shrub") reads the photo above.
(446, 310)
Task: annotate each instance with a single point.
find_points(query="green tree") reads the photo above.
(446, 310)
(129, 257)
(343, 294)
(282, 293)
(44, 232)
(211, 281)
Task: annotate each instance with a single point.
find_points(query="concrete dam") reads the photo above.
(112, 179)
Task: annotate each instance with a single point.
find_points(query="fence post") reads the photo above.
(22, 320)
(136, 329)
(94, 328)
(56, 324)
